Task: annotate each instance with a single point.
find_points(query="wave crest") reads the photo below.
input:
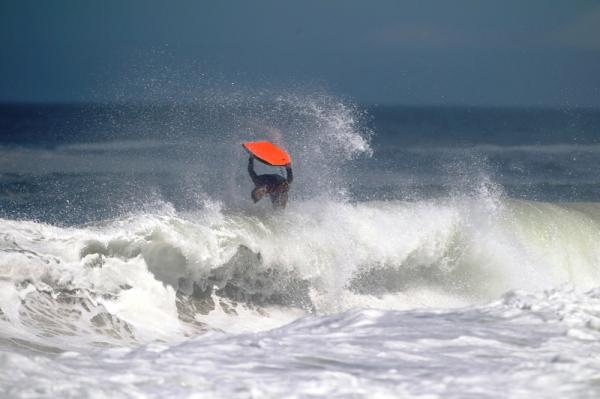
(165, 275)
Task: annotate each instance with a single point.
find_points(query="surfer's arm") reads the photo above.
(288, 173)
(251, 171)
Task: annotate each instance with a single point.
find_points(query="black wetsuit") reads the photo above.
(275, 185)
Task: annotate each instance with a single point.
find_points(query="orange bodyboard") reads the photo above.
(268, 152)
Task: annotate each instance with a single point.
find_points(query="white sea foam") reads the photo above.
(519, 346)
(169, 275)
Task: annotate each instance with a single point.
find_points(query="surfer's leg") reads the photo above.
(279, 199)
(283, 199)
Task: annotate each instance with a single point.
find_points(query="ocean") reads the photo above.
(425, 252)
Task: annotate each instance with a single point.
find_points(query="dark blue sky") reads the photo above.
(535, 53)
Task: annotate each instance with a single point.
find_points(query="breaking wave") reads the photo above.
(167, 275)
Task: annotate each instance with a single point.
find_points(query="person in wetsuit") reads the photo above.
(276, 186)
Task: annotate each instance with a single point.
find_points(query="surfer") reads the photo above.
(276, 186)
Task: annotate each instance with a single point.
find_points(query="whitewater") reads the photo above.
(136, 266)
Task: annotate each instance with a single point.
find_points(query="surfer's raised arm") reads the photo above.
(251, 171)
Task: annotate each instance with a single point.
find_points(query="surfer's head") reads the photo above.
(258, 193)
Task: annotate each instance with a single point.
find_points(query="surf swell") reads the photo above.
(167, 275)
